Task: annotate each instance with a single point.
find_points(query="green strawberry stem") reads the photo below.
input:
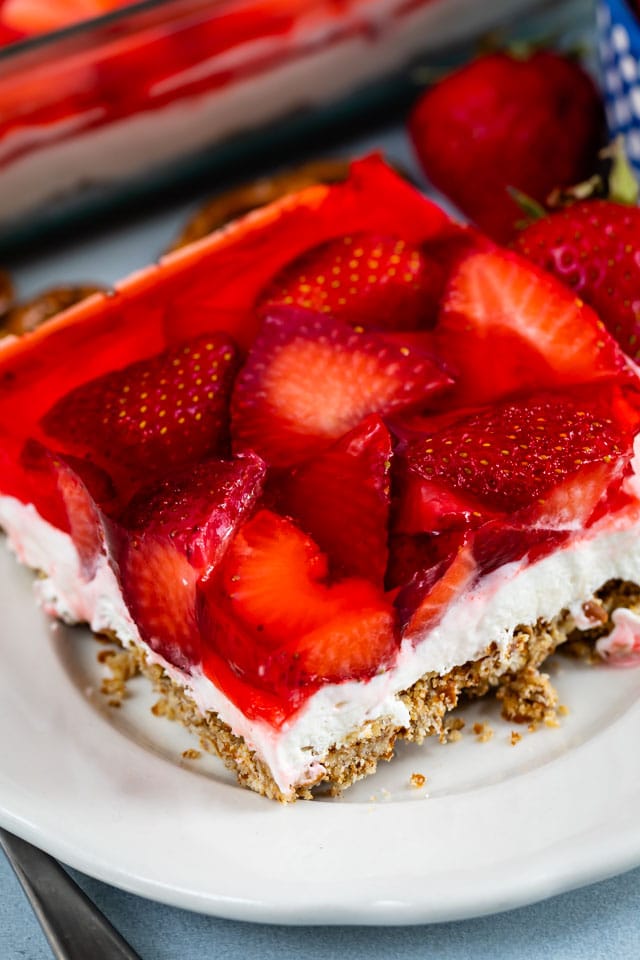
(623, 185)
(531, 209)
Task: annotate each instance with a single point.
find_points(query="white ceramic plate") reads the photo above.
(496, 826)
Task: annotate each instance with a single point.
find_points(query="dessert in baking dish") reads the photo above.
(119, 101)
(325, 471)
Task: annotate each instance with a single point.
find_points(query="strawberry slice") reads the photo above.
(368, 280)
(357, 644)
(76, 495)
(171, 537)
(408, 554)
(431, 506)
(309, 379)
(506, 326)
(332, 632)
(424, 600)
(549, 457)
(86, 520)
(153, 415)
(499, 542)
(341, 498)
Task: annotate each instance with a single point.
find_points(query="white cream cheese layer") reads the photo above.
(515, 594)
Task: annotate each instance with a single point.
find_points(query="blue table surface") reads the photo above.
(602, 920)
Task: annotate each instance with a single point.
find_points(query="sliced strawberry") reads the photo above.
(572, 503)
(431, 506)
(357, 644)
(268, 556)
(408, 554)
(499, 542)
(309, 379)
(86, 520)
(550, 456)
(369, 280)
(341, 498)
(153, 415)
(76, 494)
(424, 601)
(236, 665)
(506, 326)
(174, 535)
(335, 632)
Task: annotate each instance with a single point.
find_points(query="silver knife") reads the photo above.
(73, 925)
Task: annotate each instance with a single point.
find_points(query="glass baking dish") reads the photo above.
(108, 107)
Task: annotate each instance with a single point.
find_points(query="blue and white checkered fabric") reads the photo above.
(619, 52)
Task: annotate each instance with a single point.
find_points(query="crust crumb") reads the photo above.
(417, 780)
(122, 667)
(483, 732)
(528, 697)
(191, 754)
(515, 737)
(452, 728)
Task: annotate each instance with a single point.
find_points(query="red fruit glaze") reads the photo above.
(173, 536)
(502, 121)
(341, 499)
(153, 415)
(592, 247)
(376, 282)
(507, 326)
(309, 379)
(531, 454)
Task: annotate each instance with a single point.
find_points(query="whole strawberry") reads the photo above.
(592, 246)
(502, 121)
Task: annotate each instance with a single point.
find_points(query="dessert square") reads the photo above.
(324, 473)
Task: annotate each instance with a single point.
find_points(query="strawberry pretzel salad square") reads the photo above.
(325, 472)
